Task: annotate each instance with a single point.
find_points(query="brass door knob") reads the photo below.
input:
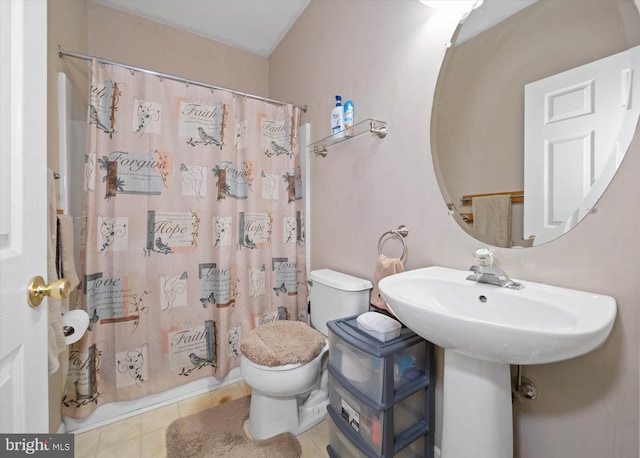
(38, 289)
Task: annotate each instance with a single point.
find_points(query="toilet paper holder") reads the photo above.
(74, 325)
(68, 330)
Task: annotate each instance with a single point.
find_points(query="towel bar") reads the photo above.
(517, 197)
(401, 233)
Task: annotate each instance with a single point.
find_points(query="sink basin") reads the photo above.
(534, 325)
(483, 329)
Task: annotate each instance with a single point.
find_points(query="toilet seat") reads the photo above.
(282, 343)
(285, 367)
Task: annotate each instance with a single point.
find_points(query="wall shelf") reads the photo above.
(373, 126)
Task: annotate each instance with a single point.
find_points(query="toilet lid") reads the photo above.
(282, 342)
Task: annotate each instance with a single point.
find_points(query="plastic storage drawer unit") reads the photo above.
(381, 402)
(341, 447)
(365, 361)
(368, 421)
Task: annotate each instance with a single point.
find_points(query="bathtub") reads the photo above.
(116, 411)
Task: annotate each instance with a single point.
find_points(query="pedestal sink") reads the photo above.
(483, 329)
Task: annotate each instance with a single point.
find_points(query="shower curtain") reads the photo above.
(192, 233)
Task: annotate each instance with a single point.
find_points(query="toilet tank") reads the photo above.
(335, 295)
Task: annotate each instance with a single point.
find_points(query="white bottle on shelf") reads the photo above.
(348, 118)
(337, 119)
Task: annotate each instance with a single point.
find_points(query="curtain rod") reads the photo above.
(62, 52)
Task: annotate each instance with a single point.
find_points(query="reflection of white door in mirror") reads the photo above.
(477, 128)
(577, 126)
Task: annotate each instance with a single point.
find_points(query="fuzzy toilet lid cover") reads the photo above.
(282, 342)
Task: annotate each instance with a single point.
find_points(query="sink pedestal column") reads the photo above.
(477, 417)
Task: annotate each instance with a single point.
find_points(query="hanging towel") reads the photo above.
(385, 267)
(492, 219)
(54, 315)
(66, 249)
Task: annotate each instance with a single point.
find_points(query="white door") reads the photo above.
(576, 125)
(23, 215)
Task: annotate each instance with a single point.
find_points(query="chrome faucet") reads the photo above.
(485, 272)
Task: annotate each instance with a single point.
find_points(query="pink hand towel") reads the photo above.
(384, 268)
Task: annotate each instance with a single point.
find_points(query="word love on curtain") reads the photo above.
(193, 233)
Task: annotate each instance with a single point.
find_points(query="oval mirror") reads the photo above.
(535, 106)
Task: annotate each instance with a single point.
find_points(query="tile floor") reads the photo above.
(143, 436)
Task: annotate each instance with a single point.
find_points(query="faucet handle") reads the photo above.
(484, 256)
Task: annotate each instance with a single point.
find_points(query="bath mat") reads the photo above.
(218, 432)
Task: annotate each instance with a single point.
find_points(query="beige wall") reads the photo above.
(67, 27)
(385, 56)
(122, 37)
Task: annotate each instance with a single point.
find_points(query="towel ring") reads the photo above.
(401, 233)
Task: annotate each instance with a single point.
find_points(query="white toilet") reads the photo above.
(289, 386)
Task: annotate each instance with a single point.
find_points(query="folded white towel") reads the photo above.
(385, 267)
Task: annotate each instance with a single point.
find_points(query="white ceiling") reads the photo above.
(253, 25)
